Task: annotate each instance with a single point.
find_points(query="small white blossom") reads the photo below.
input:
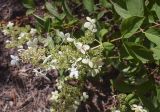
(66, 37)
(54, 96)
(76, 104)
(59, 84)
(90, 25)
(22, 35)
(73, 72)
(33, 31)
(87, 61)
(32, 43)
(60, 53)
(138, 108)
(84, 96)
(94, 72)
(14, 60)
(82, 48)
(10, 24)
(5, 32)
(8, 41)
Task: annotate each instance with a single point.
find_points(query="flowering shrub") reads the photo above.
(128, 41)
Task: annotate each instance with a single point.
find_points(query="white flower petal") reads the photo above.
(10, 24)
(94, 30)
(93, 21)
(90, 64)
(67, 35)
(85, 61)
(89, 19)
(70, 39)
(87, 25)
(78, 45)
(82, 51)
(61, 34)
(13, 62)
(33, 31)
(86, 47)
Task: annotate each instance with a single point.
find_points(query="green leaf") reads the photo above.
(66, 8)
(139, 52)
(47, 24)
(121, 11)
(156, 52)
(52, 10)
(156, 8)
(40, 20)
(108, 46)
(30, 4)
(153, 34)
(89, 5)
(103, 32)
(158, 93)
(30, 11)
(105, 3)
(121, 86)
(130, 26)
(135, 7)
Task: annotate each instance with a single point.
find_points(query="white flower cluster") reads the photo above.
(74, 73)
(15, 59)
(138, 108)
(9, 26)
(65, 37)
(88, 62)
(55, 96)
(82, 48)
(90, 25)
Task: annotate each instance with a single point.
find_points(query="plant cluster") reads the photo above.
(124, 34)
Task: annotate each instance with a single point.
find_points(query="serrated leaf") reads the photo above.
(121, 11)
(139, 52)
(52, 10)
(89, 5)
(135, 7)
(66, 8)
(122, 87)
(40, 20)
(153, 34)
(156, 52)
(130, 26)
(105, 3)
(156, 8)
